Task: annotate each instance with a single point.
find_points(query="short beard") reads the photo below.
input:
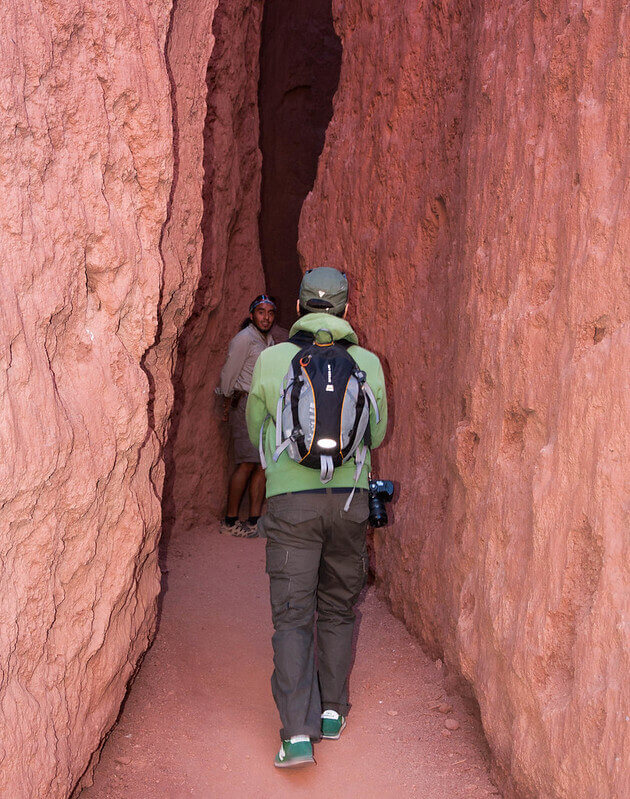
(259, 329)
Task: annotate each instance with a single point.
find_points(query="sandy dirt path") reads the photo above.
(199, 720)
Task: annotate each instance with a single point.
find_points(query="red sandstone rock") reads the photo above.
(189, 46)
(86, 162)
(473, 184)
(88, 152)
(231, 271)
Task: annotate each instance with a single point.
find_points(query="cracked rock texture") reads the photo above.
(106, 139)
(231, 272)
(189, 46)
(90, 312)
(474, 183)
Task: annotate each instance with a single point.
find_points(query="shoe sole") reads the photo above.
(295, 762)
(335, 737)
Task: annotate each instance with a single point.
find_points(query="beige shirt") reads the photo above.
(243, 353)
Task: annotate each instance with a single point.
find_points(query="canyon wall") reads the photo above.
(103, 163)
(123, 203)
(197, 451)
(86, 153)
(474, 184)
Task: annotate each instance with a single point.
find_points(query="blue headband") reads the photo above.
(264, 298)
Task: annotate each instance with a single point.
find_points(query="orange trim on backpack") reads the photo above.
(315, 407)
(345, 394)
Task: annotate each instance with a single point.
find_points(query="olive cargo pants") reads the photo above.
(317, 561)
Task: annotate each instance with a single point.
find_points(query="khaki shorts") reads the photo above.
(244, 452)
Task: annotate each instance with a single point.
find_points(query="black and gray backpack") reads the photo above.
(323, 411)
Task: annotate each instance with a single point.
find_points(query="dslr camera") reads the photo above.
(380, 492)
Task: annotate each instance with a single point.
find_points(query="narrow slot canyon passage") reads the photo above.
(200, 719)
(467, 166)
(300, 59)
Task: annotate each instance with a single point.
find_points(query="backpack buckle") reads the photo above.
(296, 434)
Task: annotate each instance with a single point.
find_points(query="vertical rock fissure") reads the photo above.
(145, 362)
(226, 256)
(203, 303)
(198, 302)
(300, 62)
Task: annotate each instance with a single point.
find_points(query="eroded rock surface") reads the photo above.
(86, 164)
(189, 46)
(231, 271)
(474, 185)
(103, 104)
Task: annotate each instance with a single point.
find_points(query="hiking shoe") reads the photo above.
(332, 724)
(239, 529)
(252, 527)
(297, 751)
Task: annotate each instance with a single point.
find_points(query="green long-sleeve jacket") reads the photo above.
(286, 475)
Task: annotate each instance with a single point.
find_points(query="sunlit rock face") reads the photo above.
(86, 153)
(102, 227)
(197, 452)
(474, 186)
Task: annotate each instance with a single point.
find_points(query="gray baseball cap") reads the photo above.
(324, 290)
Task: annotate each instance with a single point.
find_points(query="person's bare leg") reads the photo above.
(237, 486)
(256, 490)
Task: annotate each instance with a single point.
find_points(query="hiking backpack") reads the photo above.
(323, 411)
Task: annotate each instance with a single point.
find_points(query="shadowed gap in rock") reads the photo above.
(300, 62)
(168, 503)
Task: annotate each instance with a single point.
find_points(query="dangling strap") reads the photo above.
(281, 448)
(360, 460)
(261, 446)
(279, 413)
(328, 468)
(361, 455)
(279, 422)
(372, 399)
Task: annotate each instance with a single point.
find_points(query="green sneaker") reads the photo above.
(297, 751)
(332, 724)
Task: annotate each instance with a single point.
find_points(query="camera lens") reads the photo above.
(378, 514)
(380, 492)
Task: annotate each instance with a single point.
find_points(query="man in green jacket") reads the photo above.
(316, 553)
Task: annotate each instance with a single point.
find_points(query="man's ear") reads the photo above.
(345, 312)
(297, 307)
